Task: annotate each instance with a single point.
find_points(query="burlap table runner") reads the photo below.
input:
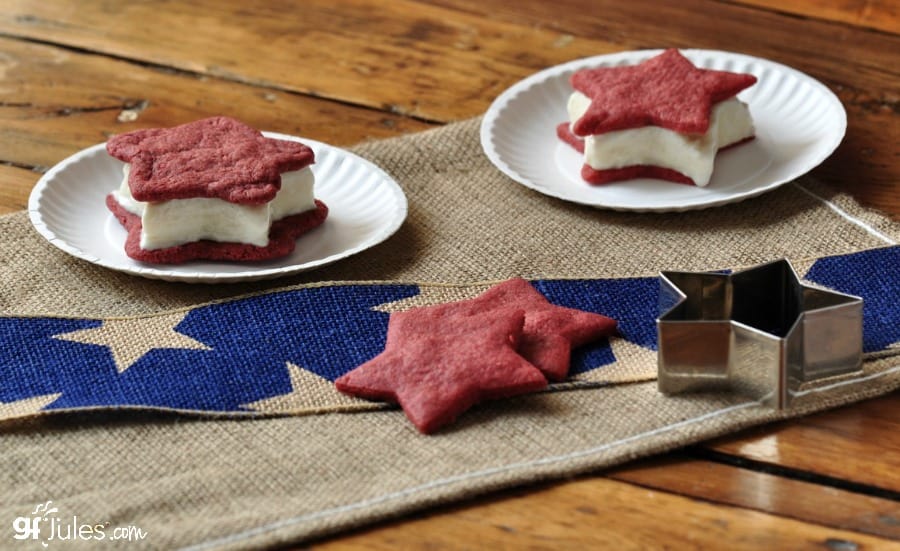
(211, 483)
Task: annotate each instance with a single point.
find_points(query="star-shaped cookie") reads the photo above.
(217, 157)
(441, 360)
(282, 239)
(550, 332)
(666, 90)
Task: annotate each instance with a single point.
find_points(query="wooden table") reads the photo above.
(72, 73)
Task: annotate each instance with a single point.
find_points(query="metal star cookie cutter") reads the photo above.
(759, 332)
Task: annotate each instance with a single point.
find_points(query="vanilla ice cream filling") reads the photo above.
(690, 154)
(179, 221)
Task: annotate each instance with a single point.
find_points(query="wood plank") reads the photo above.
(15, 185)
(601, 514)
(448, 61)
(452, 57)
(776, 495)
(397, 48)
(57, 101)
(874, 14)
(400, 56)
(859, 444)
(807, 45)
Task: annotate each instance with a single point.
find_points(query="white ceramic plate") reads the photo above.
(366, 206)
(799, 123)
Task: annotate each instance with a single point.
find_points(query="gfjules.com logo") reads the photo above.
(46, 525)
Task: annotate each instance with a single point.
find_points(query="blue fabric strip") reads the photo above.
(330, 330)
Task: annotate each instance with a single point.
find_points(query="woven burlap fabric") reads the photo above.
(244, 483)
(468, 222)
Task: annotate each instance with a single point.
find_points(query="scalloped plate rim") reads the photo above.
(390, 223)
(500, 106)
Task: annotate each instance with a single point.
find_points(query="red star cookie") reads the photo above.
(550, 331)
(666, 90)
(608, 175)
(283, 237)
(441, 360)
(218, 157)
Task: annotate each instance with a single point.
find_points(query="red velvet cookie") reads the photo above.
(609, 175)
(283, 236)
(441, 360)
(666, 90)
(550, 332)
(218, 157)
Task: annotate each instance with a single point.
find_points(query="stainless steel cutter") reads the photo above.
(759, 332)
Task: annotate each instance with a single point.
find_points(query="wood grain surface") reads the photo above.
(73, 73)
